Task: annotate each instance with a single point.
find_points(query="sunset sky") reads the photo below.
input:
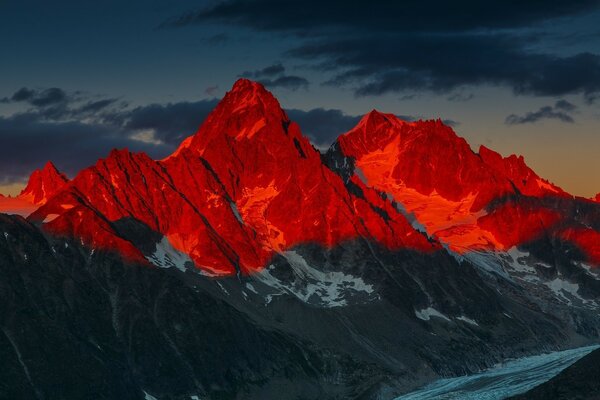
(78, 78)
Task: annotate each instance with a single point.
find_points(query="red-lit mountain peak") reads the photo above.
(43, 184)
(519, 174)
(436, 176)
(244, 112)
(597, 198)
(426, 156)
(245, 186)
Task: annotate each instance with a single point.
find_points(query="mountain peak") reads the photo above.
(250, 93)
(377, 119)
(245, 85)
(597, 198)
(43, 183)
(247, 111)
(51, 168)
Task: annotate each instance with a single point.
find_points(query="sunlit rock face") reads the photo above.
(469, 201)
(249, 265)
(247, 185)
(42, 185)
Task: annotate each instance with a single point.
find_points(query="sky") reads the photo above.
(79, 78)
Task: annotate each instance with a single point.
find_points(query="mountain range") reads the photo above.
(248, 264)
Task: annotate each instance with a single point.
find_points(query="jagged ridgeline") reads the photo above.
(249, 265)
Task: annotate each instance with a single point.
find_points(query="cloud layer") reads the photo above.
(562, 111)
(436, 46)
(274, 76)
(75, 130)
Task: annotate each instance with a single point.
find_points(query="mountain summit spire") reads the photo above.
(43, 184)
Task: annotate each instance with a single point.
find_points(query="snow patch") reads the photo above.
(148, 396)
(488, 261)
(165, 256)
(427, 313)
(590, 271)
(561, 287)
(361, 175)
(222, 288)
(236, 212)
(467, 320)
(251, 288)
(50, 218)
(311, 286)
(518, 261)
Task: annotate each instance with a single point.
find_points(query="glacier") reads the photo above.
(505, 380)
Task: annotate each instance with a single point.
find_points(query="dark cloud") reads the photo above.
(38, 98)
(287, 81)
(171, 122)
(439, 46)
(560, 111)
(388, 15)
(28, 142)
(273, 76)
(95, 106)
(411, 96)
(460, 97)
(270, 71)
(565, 106)
(56, 104)
(451, 122)
(211, 90)
(446, 63)
(76, 131)
(323, 126)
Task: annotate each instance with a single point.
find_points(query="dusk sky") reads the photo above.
(79, 78)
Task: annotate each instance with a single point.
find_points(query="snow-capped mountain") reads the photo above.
(249, 265)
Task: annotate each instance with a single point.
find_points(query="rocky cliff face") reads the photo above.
(43, 184)
(354, 321)
(249, 265)
(246, 186)
(469, 201)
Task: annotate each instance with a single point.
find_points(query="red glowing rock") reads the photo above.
(246, 186)
(587, 240)
(249, 185)
(468, 200)
(43, 184)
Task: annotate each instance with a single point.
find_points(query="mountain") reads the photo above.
(246, 186)
(43, 184)
(249, 265)
(469, 201)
